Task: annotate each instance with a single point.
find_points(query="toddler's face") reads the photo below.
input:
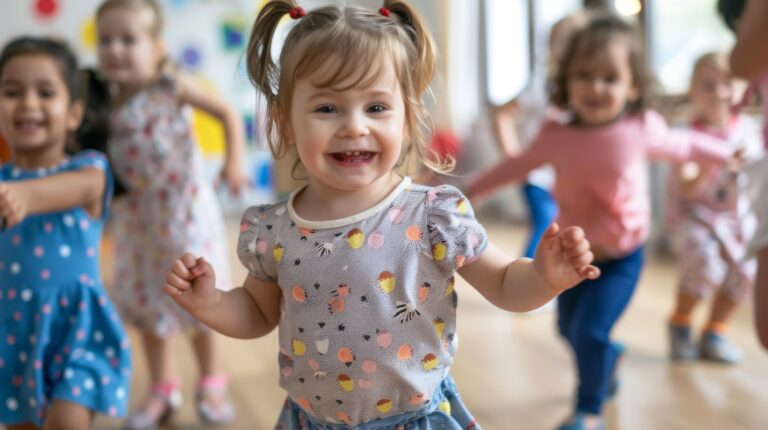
(36, 110)
(601, 84)
(349, 137)
(712, 93)
(128, 53)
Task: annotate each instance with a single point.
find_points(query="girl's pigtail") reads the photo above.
(262, 69)
(418, 30)
(422, 72)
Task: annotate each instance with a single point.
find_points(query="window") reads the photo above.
(681, 31)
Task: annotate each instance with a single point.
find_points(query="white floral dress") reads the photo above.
(170, 207)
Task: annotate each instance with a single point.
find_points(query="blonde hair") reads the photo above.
(354, 39)
(156, 27)
(718, 61)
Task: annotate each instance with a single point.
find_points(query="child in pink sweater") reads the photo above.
(600, 162)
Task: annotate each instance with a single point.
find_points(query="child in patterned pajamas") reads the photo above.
(711, 214)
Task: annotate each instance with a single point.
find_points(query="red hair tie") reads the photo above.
(384, 11)
(297, 12)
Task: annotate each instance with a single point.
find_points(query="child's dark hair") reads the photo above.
(601, 31)
(730, 11)
(93, 132)
(58, 51)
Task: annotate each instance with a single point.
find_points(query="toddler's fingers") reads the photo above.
(188, 260)
(180, 269)
(201, 268)
(581, 260)
(175, 281)
(571, 236)
(590, 272)
(549, 235)
(171, 290)
(580, 248)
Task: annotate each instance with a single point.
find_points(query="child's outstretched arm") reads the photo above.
(232, 171)
(246, 312)
(563, 259)
(504, 117)
(749, 58)
(83, 188)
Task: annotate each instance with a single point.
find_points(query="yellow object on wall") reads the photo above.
(88, 34)
(208, 130)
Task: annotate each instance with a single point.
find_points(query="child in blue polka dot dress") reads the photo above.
(64, 354)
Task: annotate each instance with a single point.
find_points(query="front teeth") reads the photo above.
(352, 153)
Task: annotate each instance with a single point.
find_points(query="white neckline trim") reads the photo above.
(335, 223)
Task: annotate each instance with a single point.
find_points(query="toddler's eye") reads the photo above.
(47, 94)
(326, 109)
(378, 108)
(10, 93)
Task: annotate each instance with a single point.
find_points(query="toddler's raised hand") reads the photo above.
(191, 282)
(563, 258)
(233, 176)
(13, 208)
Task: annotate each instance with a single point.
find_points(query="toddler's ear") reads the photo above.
(75, 115)
(633, 94)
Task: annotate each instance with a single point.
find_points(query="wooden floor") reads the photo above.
(518, 374)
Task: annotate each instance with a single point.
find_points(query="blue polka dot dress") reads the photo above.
(60, 337)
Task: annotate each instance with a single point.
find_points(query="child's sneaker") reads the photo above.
(582, 421)
(715, 347)
(681, 345)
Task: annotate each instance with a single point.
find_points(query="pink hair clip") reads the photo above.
(297, 12)
(384, 11)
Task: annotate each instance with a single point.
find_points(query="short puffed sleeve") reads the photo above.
(255, 245)
(456, 237)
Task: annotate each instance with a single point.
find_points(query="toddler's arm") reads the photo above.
(84, 188)
(749, 58)
(246, 312)
(563, 259)
(504, 127)
(232, 172)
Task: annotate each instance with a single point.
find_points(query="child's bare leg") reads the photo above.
(157, 353)
(761, 297)
(723, 309)
(63, 415)
(684, 308)
(206, 351)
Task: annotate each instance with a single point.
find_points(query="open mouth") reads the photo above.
(28, 125)
(353, 157)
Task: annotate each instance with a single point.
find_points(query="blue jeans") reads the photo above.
(542, 210)
(429, 417)
(586, 316)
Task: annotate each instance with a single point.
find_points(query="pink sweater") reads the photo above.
(602, 177)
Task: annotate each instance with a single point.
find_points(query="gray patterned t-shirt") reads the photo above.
(368, 325)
